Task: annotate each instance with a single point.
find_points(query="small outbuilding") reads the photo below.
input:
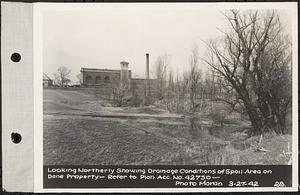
(47, 82)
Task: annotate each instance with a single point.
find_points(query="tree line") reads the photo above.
(249, 71)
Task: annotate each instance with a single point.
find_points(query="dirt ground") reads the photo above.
(82, 129)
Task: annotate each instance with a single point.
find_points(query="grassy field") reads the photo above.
(82, 129)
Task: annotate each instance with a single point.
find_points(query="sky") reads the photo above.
(105, 35)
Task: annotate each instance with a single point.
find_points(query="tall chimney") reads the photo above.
(147, 66)
(147, 77)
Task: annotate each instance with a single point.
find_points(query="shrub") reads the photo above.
(219, 112)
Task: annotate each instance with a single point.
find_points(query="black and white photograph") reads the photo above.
(167, 84)
(149, 97)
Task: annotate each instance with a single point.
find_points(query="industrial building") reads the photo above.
(107, 79)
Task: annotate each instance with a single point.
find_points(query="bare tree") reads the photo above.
(79, 77)
(170, 91)
(182, 85)
(194, 77)
(62, 76)
(119, 93)
(161, 66)
(171, 80)
(255, 59)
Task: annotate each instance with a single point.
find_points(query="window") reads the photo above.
(89, 80)
(98, 79)
(106, 79)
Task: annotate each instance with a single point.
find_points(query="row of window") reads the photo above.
(98, 79)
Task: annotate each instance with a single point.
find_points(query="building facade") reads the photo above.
(47, 82)
(138, 86)
(107, 79)
(92, 77)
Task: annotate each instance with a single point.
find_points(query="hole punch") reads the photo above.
(16, 138)
(15, 57)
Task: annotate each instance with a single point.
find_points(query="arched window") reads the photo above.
(106, 79)
(98, 80)
(89, 79)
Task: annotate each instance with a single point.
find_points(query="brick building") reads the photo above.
(138, 85)
(108, 78)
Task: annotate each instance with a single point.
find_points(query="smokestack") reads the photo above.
(147, 66)
(147, 80)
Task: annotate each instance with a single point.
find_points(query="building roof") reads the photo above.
(45, 77)
(98, 70)
(124, 62)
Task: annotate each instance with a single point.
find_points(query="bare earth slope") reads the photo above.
(81, 129)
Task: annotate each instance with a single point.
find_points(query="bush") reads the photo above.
(219, 112)
(135, 101)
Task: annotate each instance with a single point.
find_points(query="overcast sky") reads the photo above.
(102, 37)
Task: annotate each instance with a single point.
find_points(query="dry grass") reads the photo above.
(78, 140)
